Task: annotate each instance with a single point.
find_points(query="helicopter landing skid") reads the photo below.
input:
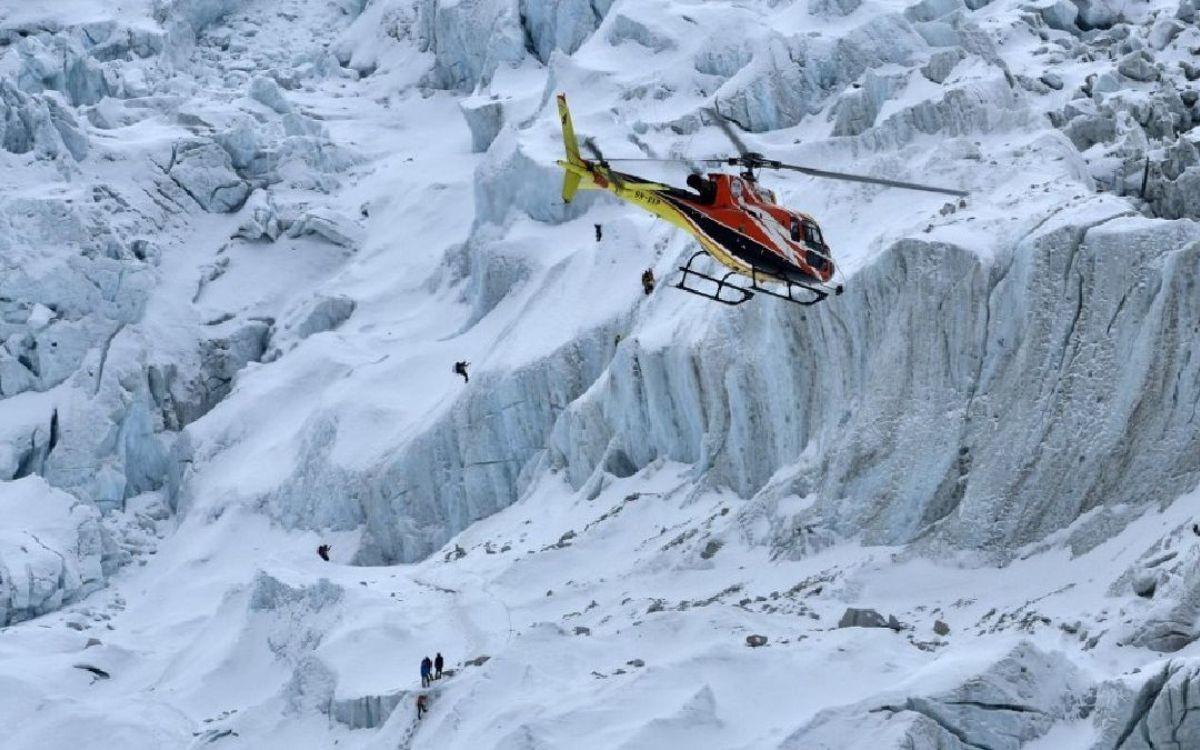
(809, 295)
(722, 283)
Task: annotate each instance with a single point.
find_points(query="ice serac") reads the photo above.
(52, 549)
(468, 465)
(791, 77)
(1076, 339)
(1163, 711)
(205, 171)
(472, 38)
(37, 123)
(1010, 702)
(563, 25)
(1168, 579)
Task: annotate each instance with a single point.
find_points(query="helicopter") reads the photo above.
(737, 221)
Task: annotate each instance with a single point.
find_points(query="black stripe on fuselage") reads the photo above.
(744, 248)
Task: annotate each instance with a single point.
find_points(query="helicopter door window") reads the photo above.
(812, 235)
(795, 230)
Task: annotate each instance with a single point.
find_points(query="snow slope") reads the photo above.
(244, 241)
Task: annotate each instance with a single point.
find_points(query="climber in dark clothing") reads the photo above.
(437, 665)
(460, 368)
(422, 704)
(426, 668)
(648, 280)
(323, 552)
(599, 232)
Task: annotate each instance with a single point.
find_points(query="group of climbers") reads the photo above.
(431, 669)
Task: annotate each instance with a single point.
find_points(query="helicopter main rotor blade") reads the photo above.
(590, 146)
(729, 132)
(675, 160)
(870, 180)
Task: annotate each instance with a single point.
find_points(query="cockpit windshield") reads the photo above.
(803, 230)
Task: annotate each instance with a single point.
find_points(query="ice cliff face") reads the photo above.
(243, 242)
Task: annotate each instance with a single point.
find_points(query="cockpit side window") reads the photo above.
(812, 235)
(795, 229)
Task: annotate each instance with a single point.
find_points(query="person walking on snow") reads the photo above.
(460, 368)
(422, 705)
(437, 665)
(426, 669)
(648, 280)
(323, 552)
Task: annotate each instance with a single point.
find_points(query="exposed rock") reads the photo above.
(941, 628)
(99, 673)
(711, 548)
(754, 641)
(862, 618)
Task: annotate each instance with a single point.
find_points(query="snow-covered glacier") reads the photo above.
(244, 241)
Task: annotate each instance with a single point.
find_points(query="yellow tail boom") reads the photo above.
(571, 178)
